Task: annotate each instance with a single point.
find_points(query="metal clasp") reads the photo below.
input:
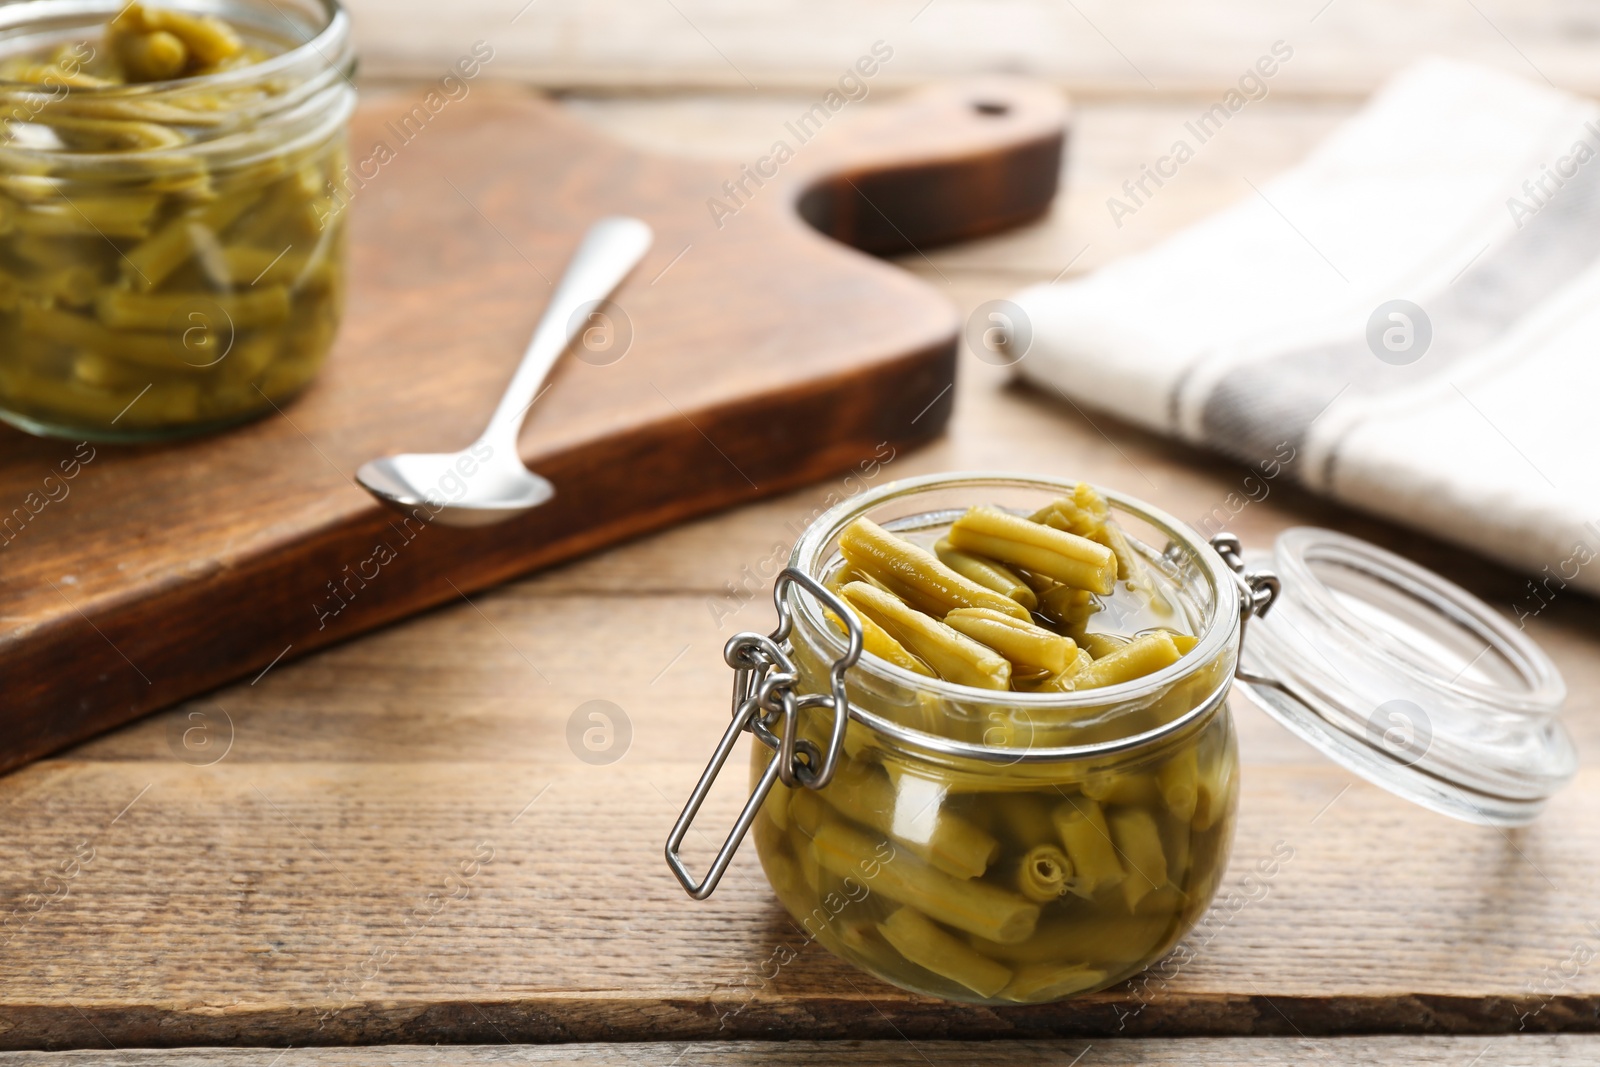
(1257, 591)
(766, 706)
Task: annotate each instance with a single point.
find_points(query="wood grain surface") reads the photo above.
(746, 355)
(280, 895)
(1093, 48)
(1557, 1051)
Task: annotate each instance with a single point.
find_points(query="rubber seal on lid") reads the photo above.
(1408, 680)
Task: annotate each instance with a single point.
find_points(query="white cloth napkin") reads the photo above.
(1258, 332)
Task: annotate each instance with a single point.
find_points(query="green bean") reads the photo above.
(1038, 982)
(208, 38)
(1108, 940)
(1138, 842)
(1071, 608)
(152, 350)
(1021, 642)
(949, 842)
(248, 264)
(72, 284)
(98, 216)
(1067, 558)
(1083, 829)
(915, 574)
(876, 640)
(949, 653)
(249, 356)
(972, 906)
(1042, 873)
(155, 44)
(148, 264)
(986, 572)
(123, 310)
(151, 57)
(929, 947)
(1101, 645)
(1065, 681)
(1121, 787)
(51, 74)
(1214, 793)
(1023, 819)
(1179, 782)
(1141, 656)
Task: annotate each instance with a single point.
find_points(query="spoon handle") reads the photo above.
(612, 247)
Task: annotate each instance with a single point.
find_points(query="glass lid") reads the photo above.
(1407, 679)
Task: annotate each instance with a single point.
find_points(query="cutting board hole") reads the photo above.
(992, 108)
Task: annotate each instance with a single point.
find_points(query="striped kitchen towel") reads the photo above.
(1411, 315)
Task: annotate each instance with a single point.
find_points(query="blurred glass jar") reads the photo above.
(171, 258)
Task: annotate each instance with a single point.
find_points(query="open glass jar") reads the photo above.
(171, 257)
(1011, 847)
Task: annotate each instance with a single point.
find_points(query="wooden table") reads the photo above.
(308, 887)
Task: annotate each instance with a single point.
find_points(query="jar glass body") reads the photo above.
(1007, 847)
(172, 259)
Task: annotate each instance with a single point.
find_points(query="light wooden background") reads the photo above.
(1098, 48)
(281, 896)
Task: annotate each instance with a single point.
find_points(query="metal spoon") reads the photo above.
(487, 481)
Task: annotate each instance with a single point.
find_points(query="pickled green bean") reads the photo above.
(947, 651)
(1083, 830)
(949, 842)
(1138, 843)
(916, 575)
(1021, 642)
(876, 640)
(1136, 659)
(930, 947)
(986, 572)
(972, 906)
(1042, 873)
(1051, 553)
(135, 264)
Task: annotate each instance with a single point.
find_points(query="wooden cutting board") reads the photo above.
(763, 355)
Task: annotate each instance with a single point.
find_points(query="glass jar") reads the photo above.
(171, 257)
(1007, 847)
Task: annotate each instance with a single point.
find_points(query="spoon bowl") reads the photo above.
(487, 481)
(455, 489)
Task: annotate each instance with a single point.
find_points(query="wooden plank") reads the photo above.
(1551, 1051)
(325, 903)
(752, 357)
(1093, 47)
(290, 902)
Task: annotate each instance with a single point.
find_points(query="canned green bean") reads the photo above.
(170, 256)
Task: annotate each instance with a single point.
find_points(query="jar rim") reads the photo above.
(329, 43)
(1220, 628)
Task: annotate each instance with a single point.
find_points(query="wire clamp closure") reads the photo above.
(1258, 589)
(766, 705)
